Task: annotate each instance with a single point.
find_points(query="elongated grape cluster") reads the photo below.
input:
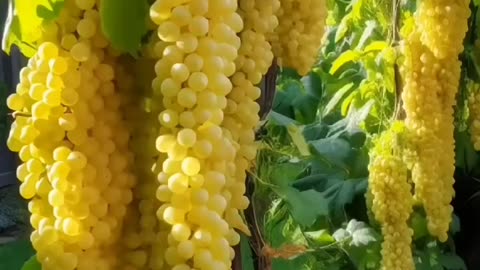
(77, 145)
(199, 44)
(392, 201)
(241, 113)
(443, 25)
(298, 37)
(431, 71)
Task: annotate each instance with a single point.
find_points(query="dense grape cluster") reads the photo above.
(70, 134)
(431, 73)
(196, 55)
(299, 35)
(392, 201)
(443, 25)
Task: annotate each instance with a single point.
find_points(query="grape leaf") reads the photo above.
(321, 237)
(124, 23)
(23, 24)
(246, 253)
(300, 204)
(32, 264)
(452, 261)
(14, 254)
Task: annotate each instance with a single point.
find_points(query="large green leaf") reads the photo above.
(14, 254)
(124, 23)
(246, 252)
(452, 262)
(305, 206)
(335, 150)
(344, 58)
(32, 264)
(23, 24)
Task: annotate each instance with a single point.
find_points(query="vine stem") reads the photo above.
(399, 112)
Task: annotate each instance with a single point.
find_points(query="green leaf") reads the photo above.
(313, 84)
(455, 225)
(299, 263)
(419, 225)
(296, 134)
(452, 261)
(367, 33)
(305, 108)
(51, 11)
(246, 251)
(375, 46)
(23, 24)
(300, 204)
(280, 119)
(335, 150)
(336, 98)
(284, 174)
(32, 264)
(14, 254)
(466, 157)
(342, 28)
(321, 237)
(345, 57)
(124, 23)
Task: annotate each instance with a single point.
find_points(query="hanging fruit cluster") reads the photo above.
(432, 42)
(141, 163)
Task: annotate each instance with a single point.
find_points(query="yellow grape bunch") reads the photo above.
(195, 58)
(431, 75)
(392, 200)
(298, 37)
(443, 24)
(70, 136)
